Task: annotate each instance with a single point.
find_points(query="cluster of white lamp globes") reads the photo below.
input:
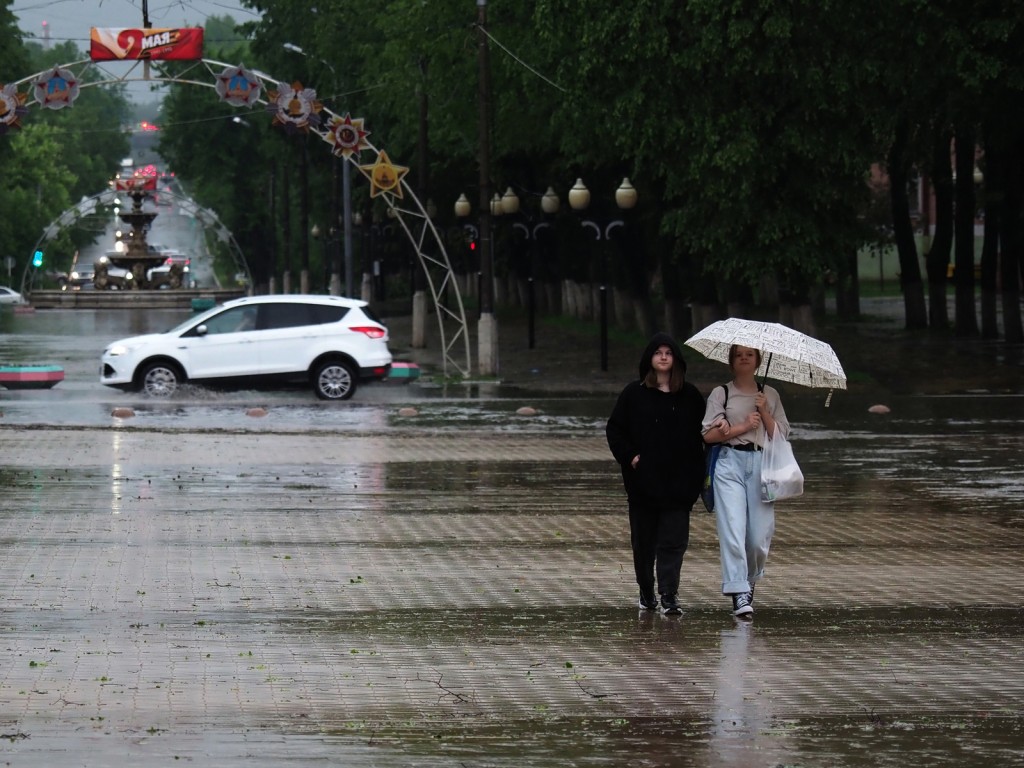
(579, 200)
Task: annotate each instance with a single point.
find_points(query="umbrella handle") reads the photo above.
(769, 365)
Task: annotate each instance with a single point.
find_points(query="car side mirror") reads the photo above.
(201, 330)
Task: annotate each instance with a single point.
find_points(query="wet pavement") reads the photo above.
(341, 584)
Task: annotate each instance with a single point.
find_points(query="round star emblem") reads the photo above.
(347, 135)
(385, 176)
(294, 107)
(12, 107)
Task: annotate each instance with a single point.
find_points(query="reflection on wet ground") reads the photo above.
(414, 597)
(339, 584)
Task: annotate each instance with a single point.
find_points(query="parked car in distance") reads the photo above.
(177, 257)
(80, 276)
(170, 274)
(328, 343)
(10, 296)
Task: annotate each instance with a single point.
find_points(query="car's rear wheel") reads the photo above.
(160, 379)
(334, 380)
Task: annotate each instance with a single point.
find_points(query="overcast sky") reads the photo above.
(71, 20)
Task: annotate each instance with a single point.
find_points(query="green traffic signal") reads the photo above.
(37, 259)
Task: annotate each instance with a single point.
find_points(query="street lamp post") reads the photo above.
(487, 272)
(487, 327)
(579, 200)
(346, 183)
(531, 231)
(462, 210)
(324, 244)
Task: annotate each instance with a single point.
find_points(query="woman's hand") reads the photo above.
(635, 461)
(761, 403)
(763, 414)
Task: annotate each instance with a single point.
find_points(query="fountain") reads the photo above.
(139, 257)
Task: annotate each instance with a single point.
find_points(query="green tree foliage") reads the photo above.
(748, 127)
(93, 140)
(740, 112)
(37, 189)
(954, 72)
(226, 155)
(59, 156)
(13, 66)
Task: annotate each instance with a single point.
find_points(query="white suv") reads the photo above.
(326, 342)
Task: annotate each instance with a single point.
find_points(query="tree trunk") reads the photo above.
(903, 232)
(704, 315)
(963, 277)
(620, 306)
(848, 288)
(631, 249)
(801, 318)
(937, 259)
(795, 308)
(768, 291)
(1012, 240)
(677, 321)
(704, 297)
(992, 201)
(990, 271)
(552, 303)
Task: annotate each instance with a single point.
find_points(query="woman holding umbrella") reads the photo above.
(741, 415)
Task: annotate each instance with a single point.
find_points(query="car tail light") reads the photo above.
(373, 331)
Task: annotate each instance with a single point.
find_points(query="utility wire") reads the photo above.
(519, 61)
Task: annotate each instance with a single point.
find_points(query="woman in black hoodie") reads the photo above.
(654, 433)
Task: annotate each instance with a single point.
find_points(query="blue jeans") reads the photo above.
(745, 523)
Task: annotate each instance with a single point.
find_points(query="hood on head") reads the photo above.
(656, 341)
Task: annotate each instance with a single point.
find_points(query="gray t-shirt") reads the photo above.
(738, 408)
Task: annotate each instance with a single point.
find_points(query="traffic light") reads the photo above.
(37, 259)
(471, 235)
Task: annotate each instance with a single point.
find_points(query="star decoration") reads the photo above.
(346, 135)
(56, 89)
(238, 87)
(12, 107)
(294, 107)
(384, 176)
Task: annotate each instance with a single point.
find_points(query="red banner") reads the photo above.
(134, 183)
(184, 44)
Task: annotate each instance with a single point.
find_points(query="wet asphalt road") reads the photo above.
(340, 584)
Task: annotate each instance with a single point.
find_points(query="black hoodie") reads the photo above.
(664, 430)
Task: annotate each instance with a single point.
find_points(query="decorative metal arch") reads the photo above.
(404, 207)
(87, 207)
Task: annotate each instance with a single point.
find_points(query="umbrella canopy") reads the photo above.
(787, 355)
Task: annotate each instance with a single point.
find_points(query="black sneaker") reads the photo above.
(670, 606)
(647, 600)
(742, 604)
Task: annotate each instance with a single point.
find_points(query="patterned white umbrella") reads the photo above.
(787, 355)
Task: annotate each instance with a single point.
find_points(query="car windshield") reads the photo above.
(195, 320)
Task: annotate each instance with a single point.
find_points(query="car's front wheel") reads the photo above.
(334, 381)
(160, 379)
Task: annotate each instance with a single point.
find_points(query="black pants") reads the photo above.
(659, 538)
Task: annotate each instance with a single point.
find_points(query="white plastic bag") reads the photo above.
(781, 477)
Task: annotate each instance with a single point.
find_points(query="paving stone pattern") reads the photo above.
(414, 598)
